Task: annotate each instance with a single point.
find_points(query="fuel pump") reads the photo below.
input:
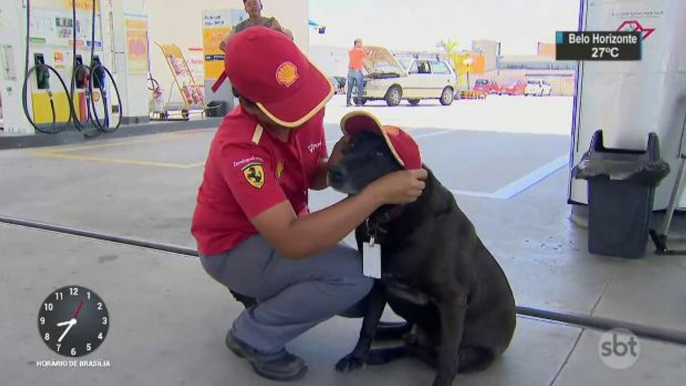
(80, 79)
(99, 74)
(50, 52)
(41, 89)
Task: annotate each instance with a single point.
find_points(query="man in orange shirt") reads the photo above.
(357, 59)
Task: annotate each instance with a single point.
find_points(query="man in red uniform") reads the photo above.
(252, 224)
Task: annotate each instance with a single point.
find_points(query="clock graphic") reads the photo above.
(73, 321)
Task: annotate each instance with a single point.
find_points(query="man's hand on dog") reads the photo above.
(401, 187)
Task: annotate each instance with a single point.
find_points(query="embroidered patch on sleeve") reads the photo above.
(254, 174)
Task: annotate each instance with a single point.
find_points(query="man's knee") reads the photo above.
(363, 286)
(347, 270)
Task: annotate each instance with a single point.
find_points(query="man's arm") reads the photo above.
(225, 41)
(277, 26)
(368, 65)
(299, 238)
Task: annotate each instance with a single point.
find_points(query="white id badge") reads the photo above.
(371, 260)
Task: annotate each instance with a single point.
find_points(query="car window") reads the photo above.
(414, 69)
(424, 67)
(405, 62)
(438, 67)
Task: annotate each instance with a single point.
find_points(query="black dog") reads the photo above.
(436, 274)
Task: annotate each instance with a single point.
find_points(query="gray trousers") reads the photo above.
(292, 296)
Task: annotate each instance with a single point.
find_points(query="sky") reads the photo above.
(420, 24)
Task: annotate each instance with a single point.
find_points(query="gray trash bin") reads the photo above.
(217, 109)
(621, 190)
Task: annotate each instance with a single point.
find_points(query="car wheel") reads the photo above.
(413, 102)
(394, 96)
(448, 96)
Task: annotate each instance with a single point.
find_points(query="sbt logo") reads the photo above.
(619, 348)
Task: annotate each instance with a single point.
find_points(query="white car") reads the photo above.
(538, 88)
(414, 78)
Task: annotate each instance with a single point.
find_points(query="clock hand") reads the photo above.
(71, 324)
(78, 309)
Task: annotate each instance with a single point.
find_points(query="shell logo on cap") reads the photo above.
(391, 130)
(287, 74)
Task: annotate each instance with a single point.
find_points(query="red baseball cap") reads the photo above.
(402, 145)
(266, 67)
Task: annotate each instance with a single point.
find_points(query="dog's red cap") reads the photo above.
(402, 145)
(266, 67)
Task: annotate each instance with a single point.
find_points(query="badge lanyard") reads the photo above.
(371, 255)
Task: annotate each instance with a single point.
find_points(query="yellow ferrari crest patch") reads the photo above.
(254, 174)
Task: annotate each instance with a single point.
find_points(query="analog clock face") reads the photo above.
(73, 321)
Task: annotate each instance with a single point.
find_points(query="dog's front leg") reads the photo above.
(452, 311)
(358, 357)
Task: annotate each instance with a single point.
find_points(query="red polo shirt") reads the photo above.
(248, 171)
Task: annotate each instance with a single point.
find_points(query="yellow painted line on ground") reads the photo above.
(160, 138)
(193, 132)
(48, 154)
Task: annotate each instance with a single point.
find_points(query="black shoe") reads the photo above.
(348, 104)
(282, 366)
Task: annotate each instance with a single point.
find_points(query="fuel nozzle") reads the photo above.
(81, 76)
(98, 73)
(42, 72)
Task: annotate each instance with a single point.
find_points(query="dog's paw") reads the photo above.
(377, 357)
(350, 363)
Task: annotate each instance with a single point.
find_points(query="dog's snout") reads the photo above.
(337, 173)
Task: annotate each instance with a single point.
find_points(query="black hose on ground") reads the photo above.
(580, 320)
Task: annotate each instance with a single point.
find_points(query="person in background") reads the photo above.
(255, 18)
(357, 59)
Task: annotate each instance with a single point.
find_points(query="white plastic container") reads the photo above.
(627, 100)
